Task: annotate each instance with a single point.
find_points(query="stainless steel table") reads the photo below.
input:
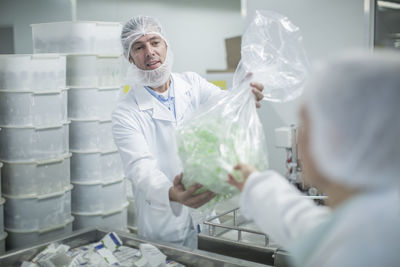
(184, 255)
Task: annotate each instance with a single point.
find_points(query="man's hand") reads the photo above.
(257, 89)
(245, 170)
(186, 197)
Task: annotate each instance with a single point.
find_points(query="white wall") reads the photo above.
(328, 27)
(22, 13)
(195, 29)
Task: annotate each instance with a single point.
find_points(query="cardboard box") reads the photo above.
(232, 46)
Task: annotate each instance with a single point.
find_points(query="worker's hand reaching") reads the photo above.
(257, 89)
(245, 170)
(187, 197)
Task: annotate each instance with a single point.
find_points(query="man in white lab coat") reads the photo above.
(144, 130)
(350, 150)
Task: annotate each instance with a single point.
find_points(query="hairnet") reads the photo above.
(353, 107)
(133, 30)
(137, 27)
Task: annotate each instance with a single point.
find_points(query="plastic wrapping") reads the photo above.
(272, 50)
(227, 131)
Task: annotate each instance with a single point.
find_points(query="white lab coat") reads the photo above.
(278, 208)
(144, 132)
(364, 231)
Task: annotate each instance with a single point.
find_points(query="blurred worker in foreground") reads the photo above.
(144, 130)
(350, 149)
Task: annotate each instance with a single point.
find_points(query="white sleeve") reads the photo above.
(278, 208)
(205, 90)
(140, 165)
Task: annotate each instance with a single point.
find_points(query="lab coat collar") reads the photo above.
(146, 101)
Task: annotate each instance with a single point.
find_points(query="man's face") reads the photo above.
(148, 52)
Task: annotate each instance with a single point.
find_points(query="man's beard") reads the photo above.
(152, 78)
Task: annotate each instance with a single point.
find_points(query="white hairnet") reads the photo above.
(137, 27)
(353, 105)
(133, 30)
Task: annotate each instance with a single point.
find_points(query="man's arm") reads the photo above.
(141, 168)
(139, 163)
(278, 208)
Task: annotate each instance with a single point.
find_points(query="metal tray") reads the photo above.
(188, 257)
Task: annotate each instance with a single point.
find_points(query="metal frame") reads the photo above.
(369, 15)
(213, 226)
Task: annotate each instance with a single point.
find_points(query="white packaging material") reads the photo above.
(171, 263)
(111, 241)
(94, 71)
(89, 37)
(49, 253)
(106, 254)
(153, 255)
(38, 72)
(92, 103)
(29, 108)
(109, 251)
(127, 255)
(28, 264)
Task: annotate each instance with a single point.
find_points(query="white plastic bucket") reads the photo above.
(94, 71)
(92, 103)
(1, 166)
(20, 143)
(91, 135)
(25, 238)
(95, 167)
(37, 213)
(98, 197)
(3, 243)
(35, 178)
(89, 37)
(38, 72)
(29, 108)
(2, 200)
(116, 219)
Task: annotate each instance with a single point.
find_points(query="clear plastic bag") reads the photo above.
(227, 130)
(272, 50)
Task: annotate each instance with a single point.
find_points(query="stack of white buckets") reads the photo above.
(34, 148)
(93, 53)
(56, 144)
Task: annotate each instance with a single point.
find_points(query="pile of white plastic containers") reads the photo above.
(34, 148)
(93, 52)
(3, 234)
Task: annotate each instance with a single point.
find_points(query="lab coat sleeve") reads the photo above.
(140, 165)
(205, 89)
(278, 208)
